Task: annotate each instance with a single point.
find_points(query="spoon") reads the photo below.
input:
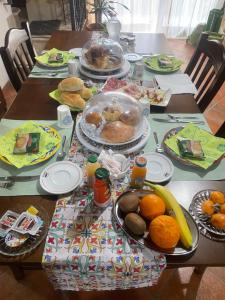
(62, 152)
(158, 149)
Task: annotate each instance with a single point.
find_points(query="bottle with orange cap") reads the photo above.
(138, 173)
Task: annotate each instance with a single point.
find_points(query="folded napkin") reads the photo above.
(153, 64)
(178, 83)
(7, 142)
(213, 147)
(43, 59)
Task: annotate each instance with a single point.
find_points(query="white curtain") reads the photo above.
(175, 18)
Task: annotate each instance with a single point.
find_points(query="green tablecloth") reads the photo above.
(183, 172)
(30, 187)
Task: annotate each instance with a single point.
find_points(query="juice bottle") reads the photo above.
(102, 192)
(91, 167)
(138, 172)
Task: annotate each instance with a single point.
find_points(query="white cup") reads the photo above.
(72, 67)
(64, 116)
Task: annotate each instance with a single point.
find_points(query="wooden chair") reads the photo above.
(18, 56)
(207, 69)
(2, 104)
(221, 131)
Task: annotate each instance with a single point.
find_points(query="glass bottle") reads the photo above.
(113, 27)
(91, 167)
(138, 173)
(102, 191)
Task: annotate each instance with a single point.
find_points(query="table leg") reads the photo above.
(199, 270)
(17, 271)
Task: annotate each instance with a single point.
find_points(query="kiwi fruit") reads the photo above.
(129, 203)
(135, 223)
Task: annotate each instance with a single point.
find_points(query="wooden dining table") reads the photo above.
(33, 103)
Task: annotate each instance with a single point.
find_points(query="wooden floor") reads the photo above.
(181, 284)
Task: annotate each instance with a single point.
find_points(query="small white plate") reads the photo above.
(61, 177)
(159, 167)
(76, 51)
(132, 57)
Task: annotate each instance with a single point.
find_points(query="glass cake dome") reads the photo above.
(102, 54)
(113, 118)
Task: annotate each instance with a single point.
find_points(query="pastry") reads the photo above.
(130, 117)
(27, 143)
(55, 58)
(72, 99)
(111, 113)
(71, 84)
(97, 56)
(85, 93)
(93, 118)
(117, 132)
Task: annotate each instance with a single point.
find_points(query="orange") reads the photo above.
(152, 206)
(208, 207)
(217, 197)
(222, 208)
(164, 232)
(218, 221)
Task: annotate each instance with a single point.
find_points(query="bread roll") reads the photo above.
(117, 132)
(85, 93)
(71, 84)
(111, 113)
(73, 100)
(130, 117)
(94, 118)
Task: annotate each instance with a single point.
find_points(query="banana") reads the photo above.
(172, 204)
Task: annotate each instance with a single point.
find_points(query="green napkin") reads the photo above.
(47, 142)
(153, 64)
(43, 59)
(213, 147)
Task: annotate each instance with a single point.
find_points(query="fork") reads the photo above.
(6, 184)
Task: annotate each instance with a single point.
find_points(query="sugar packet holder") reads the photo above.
(28, 223)
(7, 221)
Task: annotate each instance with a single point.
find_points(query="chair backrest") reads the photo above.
(18, 56)
(207, 69)
(221, 131)
(2, 104)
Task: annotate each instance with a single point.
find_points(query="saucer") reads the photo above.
(61, 177)
(132, 57)
(159, 167)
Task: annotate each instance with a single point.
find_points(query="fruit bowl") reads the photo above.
(145, 240)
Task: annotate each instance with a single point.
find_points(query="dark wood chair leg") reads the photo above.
(17, 271)
(199, 270)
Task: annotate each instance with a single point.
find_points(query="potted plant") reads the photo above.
(100, 8)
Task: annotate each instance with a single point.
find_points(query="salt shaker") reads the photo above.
(64, 116)
(72, 67)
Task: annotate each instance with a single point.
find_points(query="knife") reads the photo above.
(177, 121)
(182, 117)
(19, 178)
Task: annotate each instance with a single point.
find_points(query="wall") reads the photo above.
(6, 21)
(40, 10)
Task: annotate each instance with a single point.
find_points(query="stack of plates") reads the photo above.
(102, 74)
(131, 146)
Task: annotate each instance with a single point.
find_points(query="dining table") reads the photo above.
(33, 103)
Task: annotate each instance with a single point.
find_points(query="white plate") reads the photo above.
(61, 177)
(159, 167)
(91, 68)
(76, 51)
(132, 57)
(133, 147)
(123, 71)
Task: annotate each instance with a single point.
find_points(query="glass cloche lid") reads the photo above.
(103, 53)
(112, 118)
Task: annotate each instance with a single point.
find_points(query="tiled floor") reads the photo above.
(181, 284)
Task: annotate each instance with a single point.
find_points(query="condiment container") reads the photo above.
(138, 173)
(102, 192)
(91, 167)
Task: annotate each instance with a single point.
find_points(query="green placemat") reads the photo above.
(30, 187)
(44, 72)
(43, 59)
(183, 172)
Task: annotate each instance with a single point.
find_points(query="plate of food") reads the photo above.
(208, 209)
(72, 92)
(193, 146)
(113, 118)
(29, 144)
(103, 55)
(157, 222)
(54, 58)
(162, 63)
(154, 96)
